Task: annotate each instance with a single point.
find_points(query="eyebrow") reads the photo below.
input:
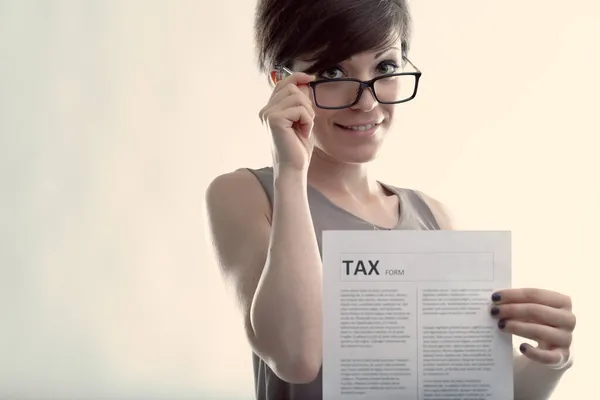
(385, 51)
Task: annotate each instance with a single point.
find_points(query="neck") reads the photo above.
(341, 179)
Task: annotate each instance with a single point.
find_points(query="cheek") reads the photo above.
(322, 130)
(389, 112)
(323, 118)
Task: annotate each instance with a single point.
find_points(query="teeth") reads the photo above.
(360, 127)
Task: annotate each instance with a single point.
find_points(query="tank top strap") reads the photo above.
(265, 178)
(416, 208)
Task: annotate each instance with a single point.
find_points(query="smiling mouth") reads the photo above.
(358, 128)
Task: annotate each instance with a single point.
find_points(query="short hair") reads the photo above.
(327, 31)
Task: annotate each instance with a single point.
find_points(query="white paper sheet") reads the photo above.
(407, 315)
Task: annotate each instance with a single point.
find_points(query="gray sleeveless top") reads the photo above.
(414, 215)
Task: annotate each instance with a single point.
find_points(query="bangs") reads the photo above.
(328, 32)
(339, 37)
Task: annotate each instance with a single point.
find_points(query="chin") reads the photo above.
(352, 155)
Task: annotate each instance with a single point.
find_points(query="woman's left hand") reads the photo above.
(541, 315)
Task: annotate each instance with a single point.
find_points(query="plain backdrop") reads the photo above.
(115, 116)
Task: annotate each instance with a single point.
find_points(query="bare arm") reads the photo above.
(532, 380)
(273, 264)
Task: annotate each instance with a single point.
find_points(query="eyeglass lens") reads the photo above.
(391, 89)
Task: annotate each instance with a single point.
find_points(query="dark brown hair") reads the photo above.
(327, 31)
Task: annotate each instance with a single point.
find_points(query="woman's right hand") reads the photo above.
(289, 116)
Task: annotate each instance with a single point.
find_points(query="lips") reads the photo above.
(365, 126)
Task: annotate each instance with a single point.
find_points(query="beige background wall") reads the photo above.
(115, 115)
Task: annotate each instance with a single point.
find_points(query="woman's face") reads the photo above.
(354, 134)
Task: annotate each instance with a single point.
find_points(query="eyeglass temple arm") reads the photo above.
(412, 65)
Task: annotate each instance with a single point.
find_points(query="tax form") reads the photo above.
(406, 315)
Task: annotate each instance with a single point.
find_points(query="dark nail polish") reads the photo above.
(495, 311)
(495, 297)
(501, 324)
(523, 348)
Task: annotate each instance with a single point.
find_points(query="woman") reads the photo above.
(266, 224)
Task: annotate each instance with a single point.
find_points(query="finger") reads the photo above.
(290, 90)
(299, 100)
(531, 312)
(296, 79)
(537, 332)
(554, 357)
(532, 295)
(296, 99)
(288, 97)
(286, 118)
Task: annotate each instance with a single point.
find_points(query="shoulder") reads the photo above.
(235, 192)
(238, 180)
(229, 182)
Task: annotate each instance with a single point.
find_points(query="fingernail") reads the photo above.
(501, 324)
(522, 347)
(495, 311)
(496, 297)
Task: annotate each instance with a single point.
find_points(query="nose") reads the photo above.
(366, 102)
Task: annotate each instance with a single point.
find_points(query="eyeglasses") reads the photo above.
(339, 93)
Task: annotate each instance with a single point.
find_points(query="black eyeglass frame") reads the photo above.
(370, 84)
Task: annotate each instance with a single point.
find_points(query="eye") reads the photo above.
(387, 67)
(332, 73)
